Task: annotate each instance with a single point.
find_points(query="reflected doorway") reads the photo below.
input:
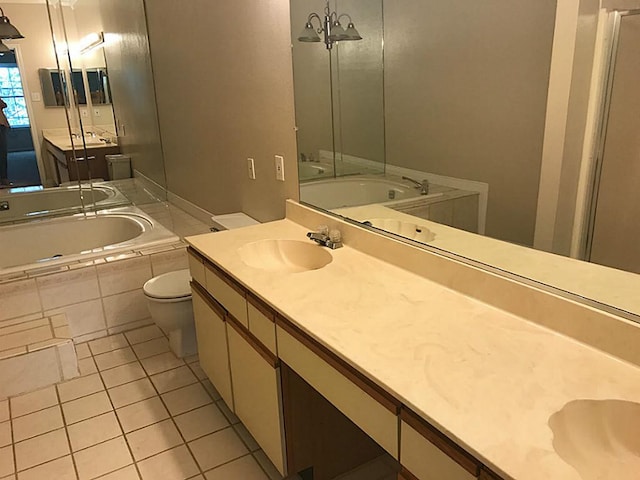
(22, 160)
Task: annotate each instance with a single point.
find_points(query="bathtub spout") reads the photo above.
(422, 186)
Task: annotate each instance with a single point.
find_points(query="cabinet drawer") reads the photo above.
(371, 416)
(429, 455)
(196, 266)
(212, 342)
(257, 396)
(262, 322)
(228, 293)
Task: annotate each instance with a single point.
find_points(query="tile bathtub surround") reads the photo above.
(97, 297)
(152, 417)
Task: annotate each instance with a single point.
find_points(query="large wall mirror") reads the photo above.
(90, 59)
(503, 133)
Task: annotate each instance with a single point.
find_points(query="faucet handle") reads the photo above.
(335, 236)
(322, 229)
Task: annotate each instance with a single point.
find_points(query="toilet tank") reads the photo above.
(230, 221)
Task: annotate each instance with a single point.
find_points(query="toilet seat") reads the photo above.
(169, 286)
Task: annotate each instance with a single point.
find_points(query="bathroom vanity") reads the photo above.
(422, 356)
(69, 160)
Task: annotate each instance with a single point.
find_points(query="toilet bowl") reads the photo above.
(169, 301)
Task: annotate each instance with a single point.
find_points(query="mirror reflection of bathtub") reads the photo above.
(361, 197)
(21, 204)
(59, 242)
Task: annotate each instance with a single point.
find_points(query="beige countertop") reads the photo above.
(488, 379)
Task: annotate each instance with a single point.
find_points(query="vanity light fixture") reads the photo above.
(3, 48)
(7, 31)
(91, 42)
(330, 26)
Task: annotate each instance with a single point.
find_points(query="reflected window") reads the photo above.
(13, 95)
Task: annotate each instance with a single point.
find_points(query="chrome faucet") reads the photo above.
(322, 236)
(422, 186)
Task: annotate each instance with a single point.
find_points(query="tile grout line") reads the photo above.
(185, 443)
(13, 443)
(198, 380)
(66, 432)
(115, 414)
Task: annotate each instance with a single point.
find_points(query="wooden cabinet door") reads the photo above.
(212, 343)
(257, 393)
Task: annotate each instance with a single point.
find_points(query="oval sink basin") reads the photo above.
(290, 256)
(599, 438)
(409, 230)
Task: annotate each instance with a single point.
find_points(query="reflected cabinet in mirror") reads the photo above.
(501, 132)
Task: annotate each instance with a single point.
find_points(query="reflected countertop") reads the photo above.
(63, 142)
(488, 379)
(608, 286)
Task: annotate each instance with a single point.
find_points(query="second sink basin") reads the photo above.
(290, 256)
(599, 438)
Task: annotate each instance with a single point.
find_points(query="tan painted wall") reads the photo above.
(466, 88)
(621, 4)
(132, 86)
(225, 93)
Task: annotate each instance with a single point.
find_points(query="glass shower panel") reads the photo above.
(615, 230)
(312, 79)
(339, 96)
(358, 91)
(69, 170)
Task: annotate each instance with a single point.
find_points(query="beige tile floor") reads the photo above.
(136, 412)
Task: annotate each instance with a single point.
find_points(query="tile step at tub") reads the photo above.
(35, 354)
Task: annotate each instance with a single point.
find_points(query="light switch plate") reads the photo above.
(251, 168)
(280, 168)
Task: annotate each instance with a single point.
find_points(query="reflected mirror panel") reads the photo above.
(98, 83)
(491, 147)
(61, 154)
(54, 84)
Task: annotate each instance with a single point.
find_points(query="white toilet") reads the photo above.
(169, 296)
(169, 301)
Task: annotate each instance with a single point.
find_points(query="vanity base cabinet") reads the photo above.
(308, 409)
(427, 454)
(257, 393)
(213, 348)
(376, 420)
(230, 295)
(426, 461)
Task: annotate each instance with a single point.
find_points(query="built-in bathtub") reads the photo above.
(89, 267)
(358, 190)
(92, 289)
(77, 238)
(20, 204)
